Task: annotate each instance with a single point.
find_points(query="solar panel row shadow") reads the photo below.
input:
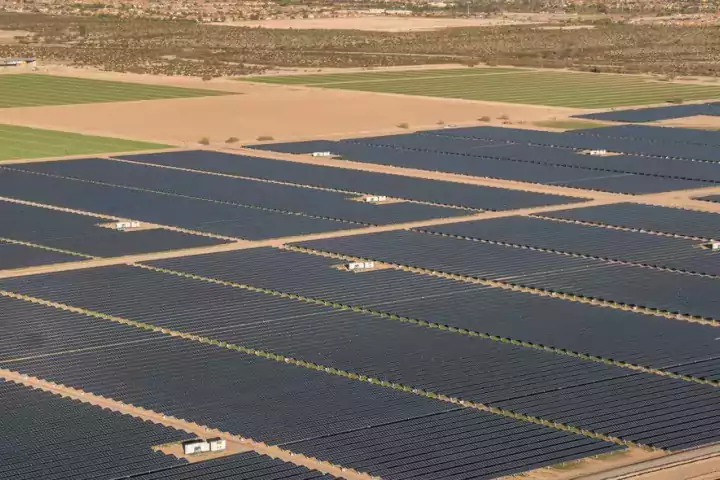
(241, 466)
(654, 114)
(83, 234)
(626, 284)
(283, 404)
(50, 437)
(588, 240)
(651, 218)
(196, 185)
(193, 214)
(394, 186)
(628, 336)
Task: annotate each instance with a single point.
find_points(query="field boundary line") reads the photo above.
(246, 444)
(280, 358)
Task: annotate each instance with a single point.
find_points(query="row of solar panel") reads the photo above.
(297, 407)
(656, 134)
(673, 292)
(340, 339)
(46, 436)
(394, 186)
(631, 337)
(586, 240)
(654, 114)
(647, 218)
(81, 234)
(49, 437)
(497, 153)
(571, 139)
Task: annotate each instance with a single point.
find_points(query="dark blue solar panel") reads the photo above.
(20, 256)
(654, 114)
(677, 221)
(579, 327)
(394, 186)
(192, 214)
(50, 437)
(621, 245)
(593, 278)
(656, 134)
(83, 234)
(239, 191)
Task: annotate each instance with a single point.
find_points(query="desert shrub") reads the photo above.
(232, 140)
(265, 138)
(403, 125)
(204, 141)
(484, 118)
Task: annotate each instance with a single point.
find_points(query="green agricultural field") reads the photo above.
(32, 90)
(23, 142)
(532, 87)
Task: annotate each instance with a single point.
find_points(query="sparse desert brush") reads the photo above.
(232, 140)
(204, 141)
(484, 118)
(265, 138)
(403, 125)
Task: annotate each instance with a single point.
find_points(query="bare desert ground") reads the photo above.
(700, 121)
(377, 24)
(282, 112)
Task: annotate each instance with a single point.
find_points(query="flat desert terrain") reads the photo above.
(377, 24)
(283, 112)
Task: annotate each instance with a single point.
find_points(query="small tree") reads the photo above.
(204, 141)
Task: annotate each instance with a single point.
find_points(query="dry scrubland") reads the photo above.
(186, 48)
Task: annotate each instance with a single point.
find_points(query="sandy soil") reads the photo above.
(379, 23)
(699, 121)
(8, 36)
(588, 466)
(283, 112)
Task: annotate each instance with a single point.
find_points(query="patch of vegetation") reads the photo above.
(23, 142)
(232, 140)
(30, 90)
(204, 141)
(569, 124)
(187, 48)
(265, 138)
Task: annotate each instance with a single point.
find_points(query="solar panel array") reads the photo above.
(239, 191)
(83, 234)
(640, 164)
(241, 466)
(650, 218)
(673, 292)
(654, 114)
(283, 404)
(395, 186)
(621, 335)
(176, 211)
(656, 134)
(50, 437)
(13, 255)
(588, 240)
